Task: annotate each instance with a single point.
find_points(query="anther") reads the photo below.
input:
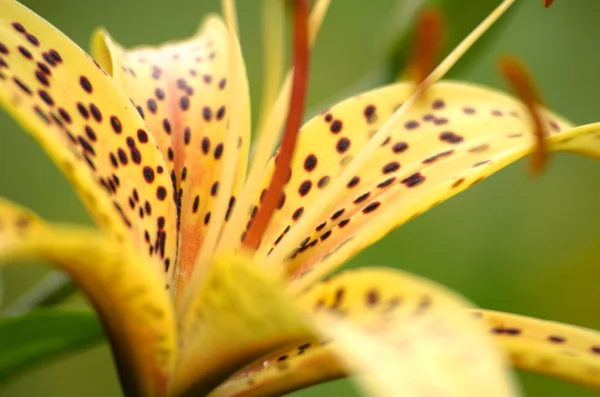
(522, 83)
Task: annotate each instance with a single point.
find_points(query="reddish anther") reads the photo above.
(548, 3)
(522, 83)
(429, 38)
(301, 55)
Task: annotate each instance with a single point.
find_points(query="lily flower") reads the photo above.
(209, 279)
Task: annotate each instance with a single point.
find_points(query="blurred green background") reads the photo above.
(511, 243)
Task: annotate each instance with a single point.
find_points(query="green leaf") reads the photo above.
(37, 337)
(1, 288)
(52, 290)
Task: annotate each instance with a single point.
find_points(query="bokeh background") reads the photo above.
(511, 243)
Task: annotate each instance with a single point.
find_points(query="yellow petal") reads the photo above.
(176, 86)
(16, 223)
(560, 350)
(583, 140)
(411, 336)
(294, 367)
(89, 128)
(238, 134)
(128, 295)
(238, 315)
(184, 90)
(563, 351)
(455, 136)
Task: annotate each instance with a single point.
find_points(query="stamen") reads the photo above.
(301, 55)
(520, 79)
(427, 45)
(266, 140)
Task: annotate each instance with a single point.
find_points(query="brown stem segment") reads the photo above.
(520, 79)
(300, 60)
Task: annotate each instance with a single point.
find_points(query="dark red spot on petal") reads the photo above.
(85, 84)
(116, 124)
(161, 193)
(148, 174)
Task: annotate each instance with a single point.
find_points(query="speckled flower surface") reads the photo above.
(156, 141)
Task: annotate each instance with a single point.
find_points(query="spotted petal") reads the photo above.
(183, 90)
(559, 350)
(413, 320)
(455, 136)
(554, 349)
(405, 335)
(410, 335)
(128, 295)
(294, 367)
(90, 129)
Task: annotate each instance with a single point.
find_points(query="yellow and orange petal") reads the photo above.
(184, 92)
(130, 299)
(91, 131)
